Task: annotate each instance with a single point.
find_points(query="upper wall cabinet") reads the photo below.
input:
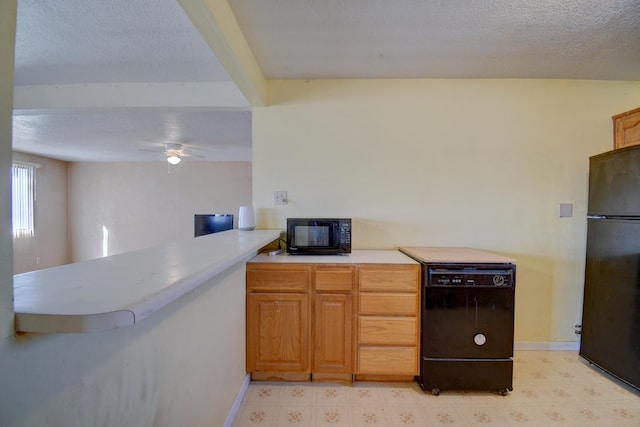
(626, 129)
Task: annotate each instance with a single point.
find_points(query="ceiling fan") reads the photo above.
(174, 152)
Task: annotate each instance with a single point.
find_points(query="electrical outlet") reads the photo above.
(280, 197)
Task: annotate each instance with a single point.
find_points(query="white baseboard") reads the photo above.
(553, 346)
(231, 416)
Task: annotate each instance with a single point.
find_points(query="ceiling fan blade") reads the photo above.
(179, 150)
(195, 156)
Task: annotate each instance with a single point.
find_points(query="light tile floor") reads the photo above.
(550, 388)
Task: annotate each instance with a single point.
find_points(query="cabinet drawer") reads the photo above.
(399, 279)
(388, 360)
(389, 303)
(388, 330)
(277, 278)
(333, 279)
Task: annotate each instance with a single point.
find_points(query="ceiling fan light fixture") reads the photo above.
(173, 159)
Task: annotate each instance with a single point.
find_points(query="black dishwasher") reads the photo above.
(467, 327)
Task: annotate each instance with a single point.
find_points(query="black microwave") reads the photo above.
(319, 236)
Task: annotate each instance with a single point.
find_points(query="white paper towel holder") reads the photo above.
(246, 218)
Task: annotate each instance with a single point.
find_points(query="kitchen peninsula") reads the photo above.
(183, 364)
(123, 289)
(328, 317)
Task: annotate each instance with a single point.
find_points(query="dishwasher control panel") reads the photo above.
(495, 277)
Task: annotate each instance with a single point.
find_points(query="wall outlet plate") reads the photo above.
(280, 197)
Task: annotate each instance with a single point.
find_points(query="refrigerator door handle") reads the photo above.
(614, 217)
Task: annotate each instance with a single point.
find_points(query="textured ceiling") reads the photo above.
(75, 42)
(85, 43)
(93, 41)
(134, 135)
(565, 39)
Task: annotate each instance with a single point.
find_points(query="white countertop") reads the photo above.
(446, 254)
(120, 290)
(355, 257)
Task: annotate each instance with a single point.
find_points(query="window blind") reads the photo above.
(23, 196)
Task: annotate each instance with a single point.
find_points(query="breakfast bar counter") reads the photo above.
(123, 289)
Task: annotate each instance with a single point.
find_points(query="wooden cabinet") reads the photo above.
(626, 129)
(332, 321)
(388, 325)
(332, 340)
(333, 312)
(277, 332)
(299, 320)
(278, 321)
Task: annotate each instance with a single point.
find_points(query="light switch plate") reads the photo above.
(565, 210)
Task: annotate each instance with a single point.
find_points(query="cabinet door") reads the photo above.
(333, 341)
(626, 129)
(277, 332)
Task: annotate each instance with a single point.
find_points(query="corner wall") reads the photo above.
(48, 247)
(477, 163)
(7, 41)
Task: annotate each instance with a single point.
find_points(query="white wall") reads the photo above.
(7, 39)
(143, 205)
(478, 163)
(140, 204)
(49, 242)
(181, 366)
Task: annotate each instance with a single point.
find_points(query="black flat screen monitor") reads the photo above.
(211, 223)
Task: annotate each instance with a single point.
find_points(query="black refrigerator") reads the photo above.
(611, 311)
